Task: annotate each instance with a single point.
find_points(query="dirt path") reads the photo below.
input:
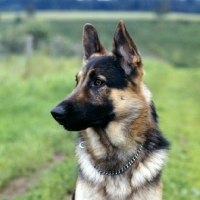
(21, 185)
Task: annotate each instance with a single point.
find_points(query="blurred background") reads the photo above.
(40, 53)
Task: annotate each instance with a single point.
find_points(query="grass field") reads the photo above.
(37, 155)
(32, 147)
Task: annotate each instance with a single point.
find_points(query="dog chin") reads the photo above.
(74, 128)
(83, 126)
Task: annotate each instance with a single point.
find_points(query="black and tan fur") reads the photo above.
(113, 110)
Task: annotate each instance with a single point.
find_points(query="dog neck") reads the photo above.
(105, 155)
(115, 172)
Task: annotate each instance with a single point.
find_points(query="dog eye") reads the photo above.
(98, 82)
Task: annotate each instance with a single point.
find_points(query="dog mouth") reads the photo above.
(82, 125)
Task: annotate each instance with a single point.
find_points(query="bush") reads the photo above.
(60, 46)
(13, 42)
(39, 31)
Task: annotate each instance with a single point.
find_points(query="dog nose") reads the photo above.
(58, 113)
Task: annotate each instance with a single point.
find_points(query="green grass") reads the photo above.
(177, 95)
(30, 139)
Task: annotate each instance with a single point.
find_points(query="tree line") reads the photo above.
(189, 6)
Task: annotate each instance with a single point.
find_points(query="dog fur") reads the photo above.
(114, 112)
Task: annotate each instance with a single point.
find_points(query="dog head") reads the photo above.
(109, 85)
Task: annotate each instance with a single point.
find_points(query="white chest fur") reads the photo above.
(119, 187)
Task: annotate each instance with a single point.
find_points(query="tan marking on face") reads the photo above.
(84, 61)
(82, 95)
(127, 107)
(126, 103)
(96, 55)
(136, 59)
(140, 71)
(102, 77)
(146, 93)
(133, 116)
(79, 75)
(81, 88)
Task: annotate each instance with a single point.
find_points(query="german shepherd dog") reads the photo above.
(120, 149)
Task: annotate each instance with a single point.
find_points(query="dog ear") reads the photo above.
(91, 43)
(123, 46)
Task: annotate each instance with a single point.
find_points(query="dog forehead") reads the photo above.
(100, 61)
(103, 64)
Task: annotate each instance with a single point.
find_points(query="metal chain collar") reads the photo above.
(119, 171)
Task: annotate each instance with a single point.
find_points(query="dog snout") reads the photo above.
(58, 114)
